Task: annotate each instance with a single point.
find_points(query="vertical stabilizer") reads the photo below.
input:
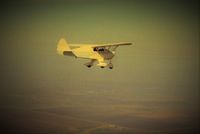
(62, 46)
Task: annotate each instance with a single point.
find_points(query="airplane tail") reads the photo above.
(62, 47)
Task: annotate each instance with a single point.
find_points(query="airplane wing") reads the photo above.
(112, 44)
(101, 45)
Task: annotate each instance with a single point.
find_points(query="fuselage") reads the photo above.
(89, 52)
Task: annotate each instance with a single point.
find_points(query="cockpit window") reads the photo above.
(98, 49)
(95, 49)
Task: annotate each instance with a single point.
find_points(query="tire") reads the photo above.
(111, 67)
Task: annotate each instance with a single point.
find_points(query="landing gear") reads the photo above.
(110, 65)
(101, 64)
(90, 64)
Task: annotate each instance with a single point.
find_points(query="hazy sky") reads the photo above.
(156, 78)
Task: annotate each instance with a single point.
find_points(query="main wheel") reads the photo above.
(89, 66)
(102, 66)
(111, 67)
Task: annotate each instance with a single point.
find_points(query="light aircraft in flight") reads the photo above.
(102, 53)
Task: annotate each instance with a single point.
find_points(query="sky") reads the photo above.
(153, 88)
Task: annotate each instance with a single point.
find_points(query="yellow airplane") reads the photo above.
(102, 53)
